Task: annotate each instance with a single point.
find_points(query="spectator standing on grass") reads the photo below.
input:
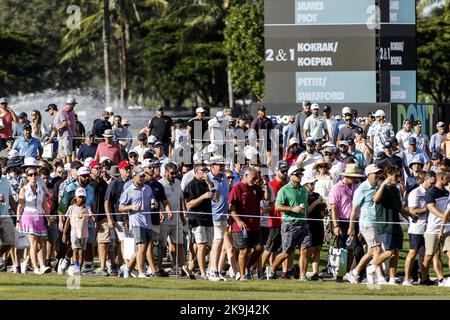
(78, 216)
(135, 200)
(244, 200)
(292, 202)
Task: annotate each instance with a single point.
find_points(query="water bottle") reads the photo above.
(244, 233)
(153, 204)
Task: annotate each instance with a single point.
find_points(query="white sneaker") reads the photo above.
(62, 266)
(124, 271)
(392, 282)
(382, 280)
(352, 278)
(23, 266)
(37, 271)
(407, 282)
(444, 283)
(45, 269)
(142, 276)
(71, 271)
(231, 273)
(238, 276)
(15, 269)
(371, 274)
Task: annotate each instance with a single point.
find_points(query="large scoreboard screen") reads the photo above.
(339, 51)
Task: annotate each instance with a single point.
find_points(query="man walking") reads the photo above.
(315, 126)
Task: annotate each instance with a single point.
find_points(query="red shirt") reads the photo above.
(247, 202)
(110, 151)
(276, 186)
(6, 132)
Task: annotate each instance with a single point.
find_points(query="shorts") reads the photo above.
(91, 238)
(432, 243)
(265, 233)
(371, 237)
(293, 236)
(142, 235)
(52, 233)
(65, 147)
(7, 234)
(416, 241)
(121, 231)
(392, 241)
(253, 239)
(104, 232)
(175, 234)
(78, 243)
(273, 243)
(156, 230)
(219, 229)
(317, 233)
(203, 234)
(344, 225)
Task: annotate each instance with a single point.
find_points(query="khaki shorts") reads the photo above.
(64, 147)
(175, 234)
(7, 234)
(432, 243)
(203, 235)
(104, 232)
(219, 229)
(371, 237)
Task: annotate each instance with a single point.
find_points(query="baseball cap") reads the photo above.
(200, 110)
(371, 168)
(123, 164)
(51, 106)
(310, 142)
(394, 140)
(137, 171)
(125, 122)
(327, 109)
(343, 143)
(307, 179)
(406, 121)
(132, 152)
(83, 171)
(261, 108)
(90, 134)
(293, 140)
(152, 139)
(159, 144)
(108, 133)
(22, 115)
(346, 110)
(412, 141)
(355, 112)
(437, 156)
(105, 113)
(306, 103)
(440, 124)
(159, 108)
(88, 161)
(75, 165)
(142, 136)
(71, 101)
(3, 100)
(80, 192)
(418, 123)
(359, 130)
(109, 109)
(388, 144)
(93, 164)
(315, 106)
(350, 141)
(27, 127)
(282, 165)
(294, 169)
(380, 113)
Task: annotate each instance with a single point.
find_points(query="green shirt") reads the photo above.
(292, 196)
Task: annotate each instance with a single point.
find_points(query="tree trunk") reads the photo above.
(123, 64)
(230, 85)
(106, 51)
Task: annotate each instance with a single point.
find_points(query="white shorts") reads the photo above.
(176, 234)
(203, 235)
(64, 147)
(121, 231)
(219, 229)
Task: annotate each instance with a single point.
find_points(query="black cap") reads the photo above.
(261, 108)
(370, 114)
(27, 127)
(52, 106)
(327, 109)
(418, 123)
(381, 157)
(437, 156)
(22, 115)
(75, 165)
(354, 112)
(159, 108)
(359, 130)
(142, 136)
(388, 144)
(394, 140)
(310, 142)
(351, 141)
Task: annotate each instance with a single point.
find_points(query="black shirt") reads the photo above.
(388, 210)
(395, 161)
(86, 151)
(99, 127)
(100, 188)
(160, 196)
(346, 132)
(194, 190)
(193, 123)
(113, 193)
(160, 128)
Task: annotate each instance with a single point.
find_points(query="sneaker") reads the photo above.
(23, 266)
(15, 269)
(45, 269)
(352, 278)
(222, 278)
(269, 274)
(214, 276)
(62, 266)
(3, 265)
(37, 271)
(134, 274)
(407, 282)
(87, 270)
(444, 282)
(314, 277)
(123, 270)
(174, 272)
(53, 264)
(102, 272)
(427, 282)
(382, 280)
(231, 273)
(238, 276)
(142, 276)
(243, 278)
(302, 279)
(190, 274)
(161, 273)
(249, 276)
(71, 271)
(371, 274)
(392, 282)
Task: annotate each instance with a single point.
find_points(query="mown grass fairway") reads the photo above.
(55, 287)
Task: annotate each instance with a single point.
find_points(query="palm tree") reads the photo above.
(421, 5)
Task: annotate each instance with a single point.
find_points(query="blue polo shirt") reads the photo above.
(141, 197)
(363, 198)
(419, 154)
(27, 148)
(5, 189)
(220, 208)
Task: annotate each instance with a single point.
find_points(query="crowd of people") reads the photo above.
(223, 198)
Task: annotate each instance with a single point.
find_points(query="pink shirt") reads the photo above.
(341, 196)
(110, 151)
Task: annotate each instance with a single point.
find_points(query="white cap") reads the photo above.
(13, 154)
(328, 145)
(220, 115)
(293, 169)
(380, 113)
(146, 163)
(315, 106)
(30, 162)
(109, 109)
(440, 124)
(293, 140)
(88, 161)
(346, 110)
(344, 142)
(3, 100)
(80, 192)
(71, 101)
(83, 171)
(371, 168)
(152, 139)
(104, 159)
(200, 109)
(307, 179)
(67, 167)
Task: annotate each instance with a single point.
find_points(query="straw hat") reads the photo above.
(320, 162)
(352, 170)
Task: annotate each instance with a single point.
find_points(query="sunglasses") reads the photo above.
(298, 175)
(230, 177)
(132, 156)
(327, 154)
(32, 174)
(173, 173)
(205, 169)
(348, 120)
